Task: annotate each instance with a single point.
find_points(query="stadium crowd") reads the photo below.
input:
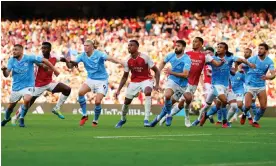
(156, 34)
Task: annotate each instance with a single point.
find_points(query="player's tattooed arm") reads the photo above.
(162, 65)
(157, 77)
(122, 83)
(251, 65)
(269, 77)
(5, 70)
(114, 60)
(49, 64)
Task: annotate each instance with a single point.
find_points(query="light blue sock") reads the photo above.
(23, 111)
(162, 113)
(8, 113)
(219, 115)
(82, 102)
(97, 110)
(168, 105)
(258, 115)
(224, 113)
(254, 108)
(212, 111)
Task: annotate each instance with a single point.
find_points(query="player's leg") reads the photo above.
(147, 87)
(65, 92)
(81, 99)
(17, 114)
(216, 109)
(98, 108)
(8, 113)
(167, 106)
(232, 100)
(260, 112)
(253, 105)
(125, 109)
(24, 108)
(223, 99)
(175, 109)
(247, 104)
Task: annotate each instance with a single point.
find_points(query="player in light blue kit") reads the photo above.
(177, 80)
(237, 83)
(97, 80)
(220, 83)
(255, 83)
(23, 81)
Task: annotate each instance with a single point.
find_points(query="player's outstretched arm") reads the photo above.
(184, 74)
(114, 60)
(271, 76)
(251, 65)
(5, 71)
(49, 64)
(157, 76)
(122, 83)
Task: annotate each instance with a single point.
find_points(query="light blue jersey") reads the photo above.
(254, 76)
(94, 64)
(221, 74)
(23, 71)
(178, 66)
(237, 82)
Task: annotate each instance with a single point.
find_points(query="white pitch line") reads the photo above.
(236, 164)
(233, 142)
(150, 136)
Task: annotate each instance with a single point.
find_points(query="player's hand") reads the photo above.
(56, 73)
(45, 67)
(251, 65)
(264, 77)
(222, 60)
(3, 67)
(167, 71)
(156, 88)
(116, 94)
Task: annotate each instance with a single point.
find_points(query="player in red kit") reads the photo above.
(44, 82)
(141, 80)
(199, 60)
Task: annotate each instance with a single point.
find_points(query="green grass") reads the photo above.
(49, 141)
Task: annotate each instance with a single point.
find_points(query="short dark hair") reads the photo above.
(200, 39)
(264, 45)
(135, 41)
(210, 49)
(249, 50)
(225, 45)
(18, 45)
(47, 44)
(182, 42)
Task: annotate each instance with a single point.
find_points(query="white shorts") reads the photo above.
(49, 87)
(254, 90)
(134, 88)
(239, 96)
(191, 89)
(215, 91)
(178, 90)
(207, 88)
(17, 95)
(230, 95)
(97, 86)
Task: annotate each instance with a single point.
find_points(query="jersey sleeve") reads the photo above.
(78, 58)
(208, 58)
(104, 56)
(126, 68)
(10, 61)
(149, 61)
(187, 64)
(271, 66)
(168, 57)
(35, 58)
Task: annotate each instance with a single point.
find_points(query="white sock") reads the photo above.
(147, 107)
(232, 110)
(175, 110)
(124, 112)
(17, 114)
(61, 100)
(187, 108)
(203, 110)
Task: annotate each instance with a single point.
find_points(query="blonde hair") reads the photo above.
(94, 43)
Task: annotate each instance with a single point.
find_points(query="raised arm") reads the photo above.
(251, 65)
(114, 60)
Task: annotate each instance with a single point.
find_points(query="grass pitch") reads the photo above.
(49, 141)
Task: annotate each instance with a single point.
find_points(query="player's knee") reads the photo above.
(148, 91)
(263, 107)
(167, 96)
(98, 102)
(67, 91)
(81, 93)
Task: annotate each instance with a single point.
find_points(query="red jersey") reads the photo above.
(139, 67)
(198, 61)
(207, 75)
(45, 77)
